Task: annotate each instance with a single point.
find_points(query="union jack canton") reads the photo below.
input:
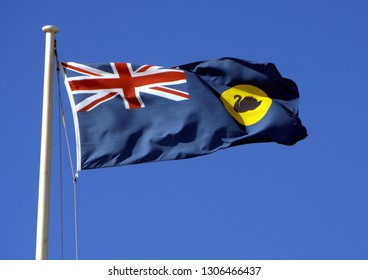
(98, 83)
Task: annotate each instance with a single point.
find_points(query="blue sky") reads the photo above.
(308, 201)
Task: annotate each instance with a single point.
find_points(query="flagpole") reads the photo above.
(45, 154)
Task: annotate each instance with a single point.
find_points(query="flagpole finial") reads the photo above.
(50, 28)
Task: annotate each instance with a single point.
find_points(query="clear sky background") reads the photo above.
(258, 201)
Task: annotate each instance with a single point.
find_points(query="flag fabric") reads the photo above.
(126, 114)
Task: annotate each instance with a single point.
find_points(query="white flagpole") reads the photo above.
(45, 154)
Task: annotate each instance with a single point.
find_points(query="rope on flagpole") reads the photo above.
(75, 219)
(60, 164)
(74, 174)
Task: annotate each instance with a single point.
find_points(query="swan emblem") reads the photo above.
(245, 104)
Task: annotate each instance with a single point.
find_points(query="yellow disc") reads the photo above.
(247, 104)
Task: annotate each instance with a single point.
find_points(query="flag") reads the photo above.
(126, 113)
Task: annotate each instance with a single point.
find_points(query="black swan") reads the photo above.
(248, 103)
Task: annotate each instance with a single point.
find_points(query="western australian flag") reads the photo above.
(125, 113)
